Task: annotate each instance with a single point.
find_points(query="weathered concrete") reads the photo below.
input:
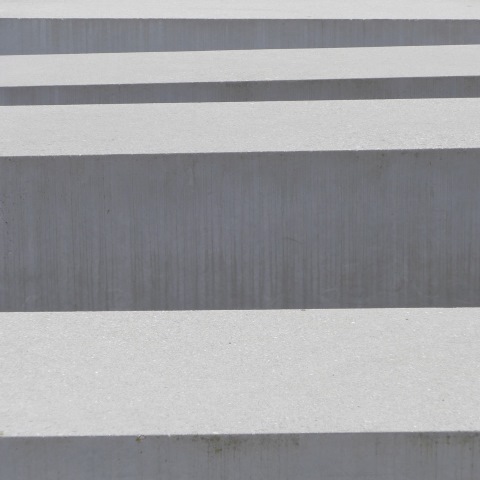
(135, 214)
(308, 74)
(59, 26)
(333, 394)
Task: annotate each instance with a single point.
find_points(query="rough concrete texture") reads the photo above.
(392, 221)
(316, 394)
(250, 372)
(259, 75)
(58, 26)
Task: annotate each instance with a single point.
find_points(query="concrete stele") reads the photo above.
(251, 205)
(258, 75)
(58, 26)
(389, 393)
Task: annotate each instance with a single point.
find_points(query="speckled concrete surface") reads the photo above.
(251, 372)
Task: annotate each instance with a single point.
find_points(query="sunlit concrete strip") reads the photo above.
(70, 26)
(259, 75)
(240, 205)
(214, 395)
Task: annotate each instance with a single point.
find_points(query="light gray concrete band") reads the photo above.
(88, 35)
(240, 66)
(236, 231)
(242, 127)
(221, 9)
(243, 372)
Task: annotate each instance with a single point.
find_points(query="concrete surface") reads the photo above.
(250, 9)
(293, 372)
(240, 66)
(240, 127)
(341, 394)
(307, 74)
(58, 26)
(98, 215)
(374, 456)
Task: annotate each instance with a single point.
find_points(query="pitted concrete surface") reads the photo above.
(203, 373)
(240, 127)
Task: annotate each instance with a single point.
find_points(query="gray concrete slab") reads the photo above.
(208, 206)
(334, 394)
(56, 26)
(372, 456)
(306, 74)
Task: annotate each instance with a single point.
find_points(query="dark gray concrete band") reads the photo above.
(244, 91)
(240, 231)
(19, 36)
(346, 456)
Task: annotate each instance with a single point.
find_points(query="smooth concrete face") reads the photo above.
(231, 373)
(459, 87)
(53, 34)
(374, 456)
(260, 75)
(240, 127)
(251, 9)
(240, 66)
(291, 230)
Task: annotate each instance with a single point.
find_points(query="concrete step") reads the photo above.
(69, 26)
(316, 394)
(240, 205)
(308, 74)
